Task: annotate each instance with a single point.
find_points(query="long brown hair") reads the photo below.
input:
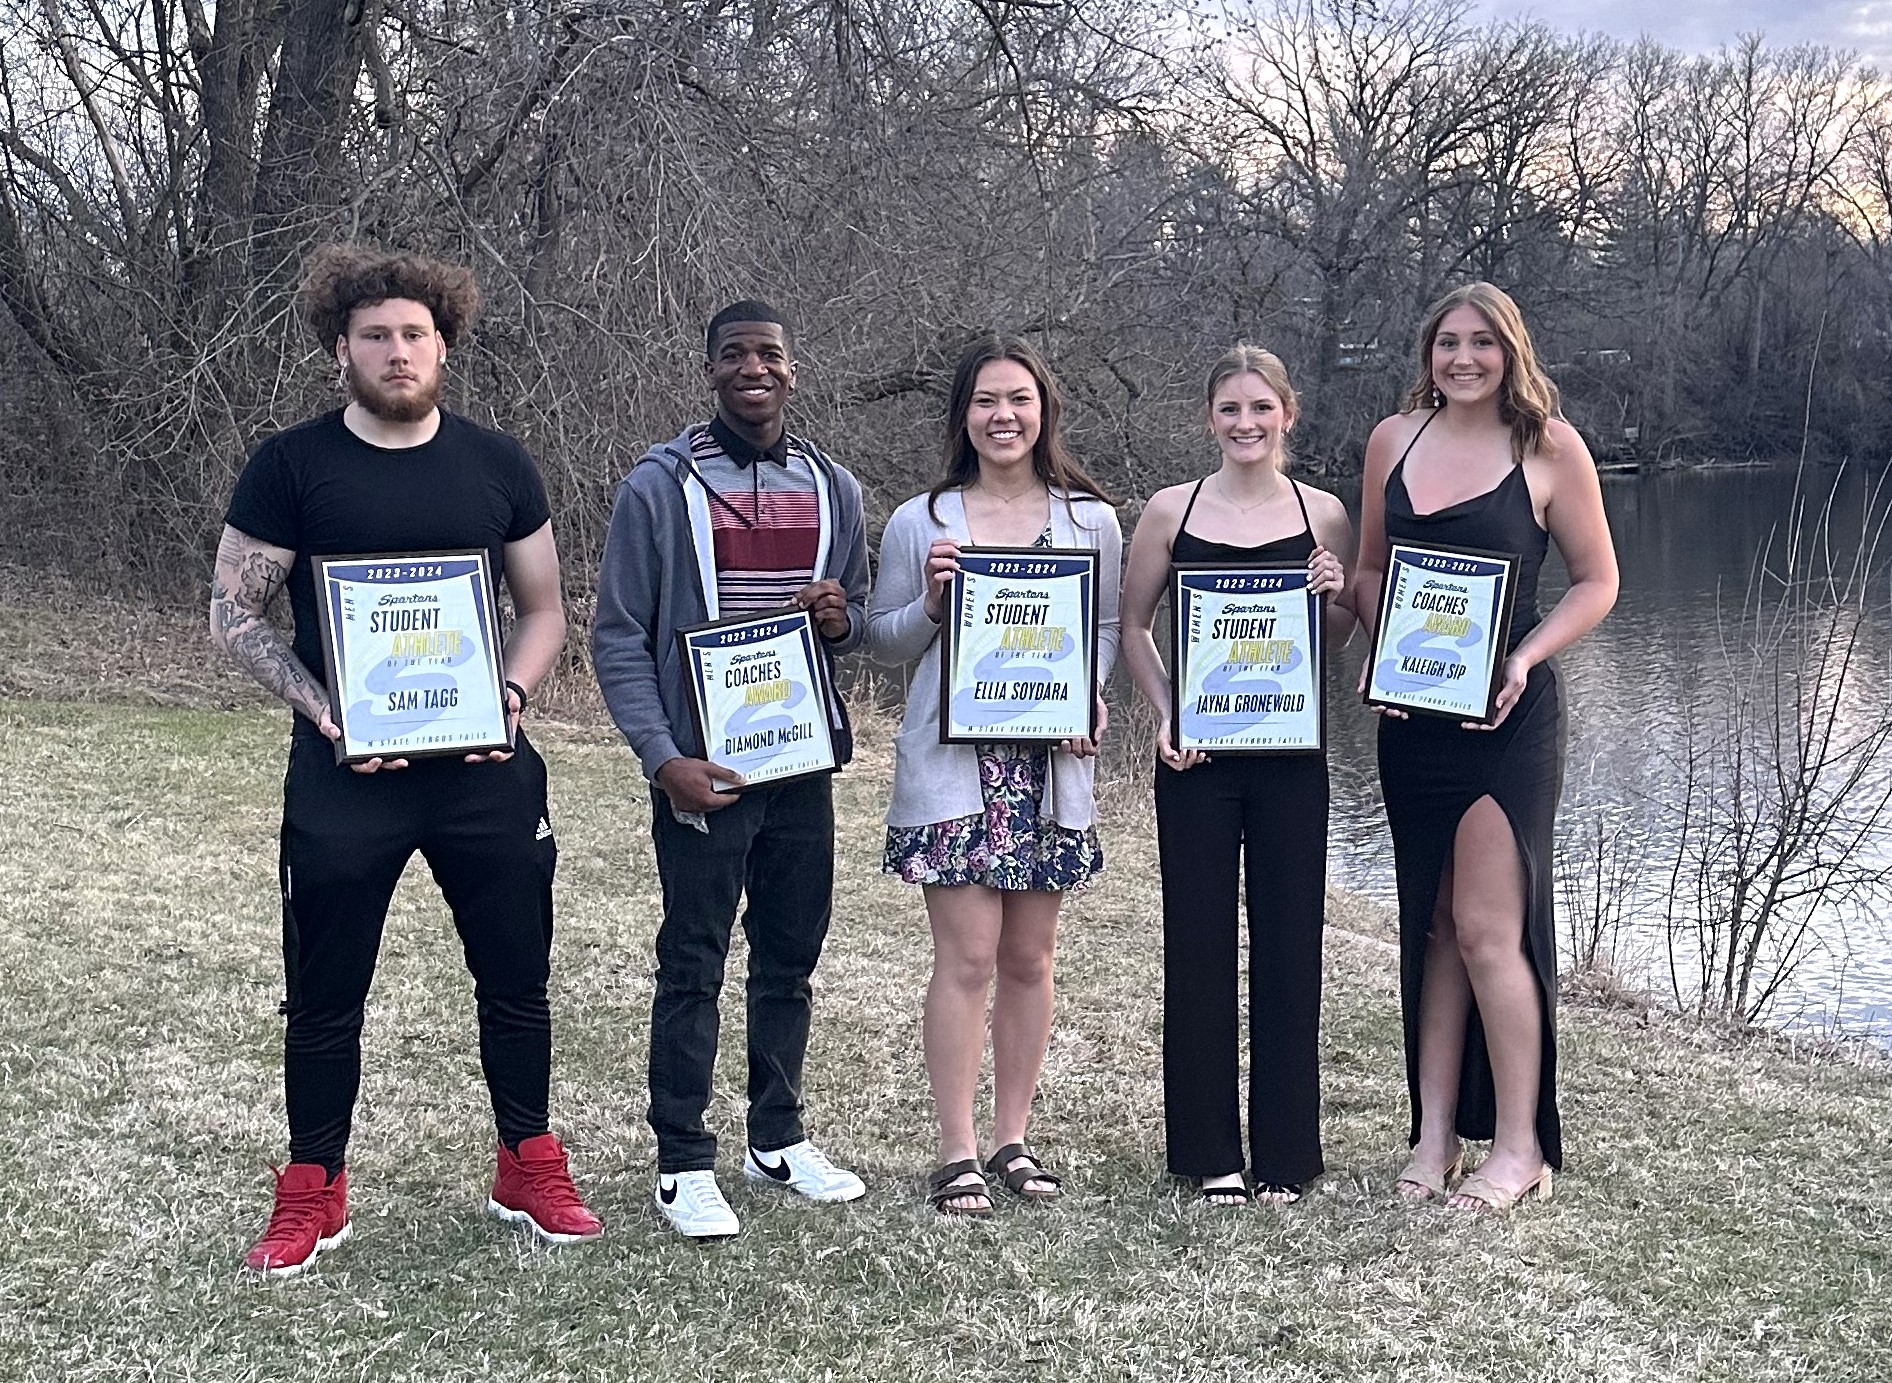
(1527, 399)
(1244, 359)
(1051, 459)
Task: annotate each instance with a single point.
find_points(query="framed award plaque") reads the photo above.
(1438, 646)
(1247, 660)
(1019, 659)
(759, 696)
(410, 646)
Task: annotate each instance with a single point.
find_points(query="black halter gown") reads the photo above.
(1431, 772)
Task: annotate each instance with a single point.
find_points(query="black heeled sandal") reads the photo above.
(1226, 1197)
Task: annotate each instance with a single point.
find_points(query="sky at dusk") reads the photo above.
(1704, 25)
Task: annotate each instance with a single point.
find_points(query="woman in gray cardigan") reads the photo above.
(994, 833)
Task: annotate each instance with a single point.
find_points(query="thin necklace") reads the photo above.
(1032, 489)
(1230, 500)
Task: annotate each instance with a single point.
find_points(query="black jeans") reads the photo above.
(1266, 819)
(346, 837)
(776, 844)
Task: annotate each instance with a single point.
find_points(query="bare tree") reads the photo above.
(1135, 193)
(1784, 812)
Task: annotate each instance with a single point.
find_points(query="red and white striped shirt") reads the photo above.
(765, 519)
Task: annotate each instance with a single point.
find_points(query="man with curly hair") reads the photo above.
(393, 472)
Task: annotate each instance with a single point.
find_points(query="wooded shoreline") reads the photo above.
(1698, 241)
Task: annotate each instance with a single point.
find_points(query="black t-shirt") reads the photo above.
(320, 491)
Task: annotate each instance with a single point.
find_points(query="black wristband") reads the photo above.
(524, 700)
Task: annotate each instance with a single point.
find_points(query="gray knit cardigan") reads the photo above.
(940, 782)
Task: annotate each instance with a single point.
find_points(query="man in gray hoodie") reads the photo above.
(732, 516)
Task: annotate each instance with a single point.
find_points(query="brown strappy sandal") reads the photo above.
(1496, 1199)
(941, 1191)
(1018, 1180)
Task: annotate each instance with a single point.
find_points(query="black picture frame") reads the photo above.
(1446, 567)
(1021, 568)
(413, 580)
(1252, 581)
(759, 631)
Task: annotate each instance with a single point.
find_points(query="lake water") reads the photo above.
(1687, 543)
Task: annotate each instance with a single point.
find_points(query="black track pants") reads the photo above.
(346, 837)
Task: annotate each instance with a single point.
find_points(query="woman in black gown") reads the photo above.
(1480, 459)
(1215, 820)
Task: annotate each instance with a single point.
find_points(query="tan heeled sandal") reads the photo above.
(1436, 1185)
(1498, 1198)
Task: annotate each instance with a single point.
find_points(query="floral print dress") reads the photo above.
(1009, 845)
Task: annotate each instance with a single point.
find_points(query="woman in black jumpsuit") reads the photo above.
(1261, 820)
(1480, 460)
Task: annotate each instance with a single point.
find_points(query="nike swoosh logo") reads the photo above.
(779, 1172)
(667, 1194)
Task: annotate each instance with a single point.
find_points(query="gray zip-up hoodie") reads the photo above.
(659, 576)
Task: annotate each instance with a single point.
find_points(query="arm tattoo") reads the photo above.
(247, 579)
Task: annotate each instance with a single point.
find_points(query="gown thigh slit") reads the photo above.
(1432, 772)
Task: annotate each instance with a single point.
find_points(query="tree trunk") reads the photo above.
(246, 32)
(547, 221)
(298, 178)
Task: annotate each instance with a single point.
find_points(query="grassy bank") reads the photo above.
(1724, 1216)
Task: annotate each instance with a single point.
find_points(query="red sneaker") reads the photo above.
(311, 1215)
(535, 1189)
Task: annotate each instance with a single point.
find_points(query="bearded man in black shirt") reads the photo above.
(394, 473)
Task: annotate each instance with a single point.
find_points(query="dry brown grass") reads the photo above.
(66, 641)
(1723, 1218)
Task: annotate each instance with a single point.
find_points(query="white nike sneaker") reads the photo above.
(805, 1169)
(693, 1202)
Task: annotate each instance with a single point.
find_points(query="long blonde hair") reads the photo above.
(1244, 359)
(1527, 400)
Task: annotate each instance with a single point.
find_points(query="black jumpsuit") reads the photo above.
(1268, 814)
